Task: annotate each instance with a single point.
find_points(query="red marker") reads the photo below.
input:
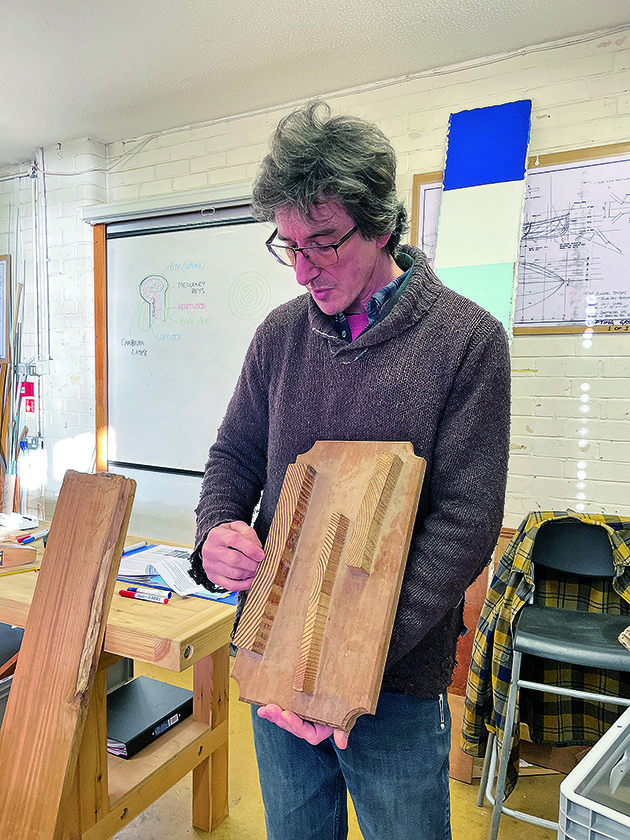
(144, 596)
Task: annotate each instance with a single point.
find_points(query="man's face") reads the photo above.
(364, 266)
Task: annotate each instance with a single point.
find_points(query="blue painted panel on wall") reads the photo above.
(487, 145)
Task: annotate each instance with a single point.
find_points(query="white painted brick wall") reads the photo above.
(580, 98)
(68, 394)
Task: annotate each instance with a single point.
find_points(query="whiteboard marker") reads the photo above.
(143, 596)
(150, 590)
(135, 547)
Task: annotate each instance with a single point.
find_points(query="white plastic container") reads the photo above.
(595, 796)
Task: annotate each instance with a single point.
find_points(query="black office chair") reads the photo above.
(10, 641)
(570, 556)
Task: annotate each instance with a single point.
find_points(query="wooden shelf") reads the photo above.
(137, 782)
(126, 774)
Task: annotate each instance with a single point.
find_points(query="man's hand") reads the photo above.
(231, 554)
(314, 733)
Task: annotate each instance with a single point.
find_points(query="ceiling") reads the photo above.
(126, 68)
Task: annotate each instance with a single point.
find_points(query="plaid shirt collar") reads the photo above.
(375, 303)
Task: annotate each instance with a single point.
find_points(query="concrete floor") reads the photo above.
(169, 817)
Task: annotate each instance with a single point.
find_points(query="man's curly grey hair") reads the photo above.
(315, 157)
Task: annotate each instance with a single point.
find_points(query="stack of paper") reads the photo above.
(171, 564)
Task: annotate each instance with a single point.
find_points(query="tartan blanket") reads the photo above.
(553, 720)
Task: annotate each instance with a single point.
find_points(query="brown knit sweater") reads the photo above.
(433, 370)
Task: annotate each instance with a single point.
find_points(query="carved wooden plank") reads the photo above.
(361, 607)
(319, 603)
(280, 547)
(49, 698)
(377, 497)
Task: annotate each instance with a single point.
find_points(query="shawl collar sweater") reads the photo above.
(433, 370)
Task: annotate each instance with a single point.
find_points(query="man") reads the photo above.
(377, 349)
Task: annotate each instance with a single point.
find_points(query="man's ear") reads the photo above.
(381, 241)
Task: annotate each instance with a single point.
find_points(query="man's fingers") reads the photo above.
(341, 738)
(270, 712)
(242, 545)
(237, 574)
(231, 554)
(314, 733)
(229, 558)
(231, 584)
(244, 529)
(237, 540)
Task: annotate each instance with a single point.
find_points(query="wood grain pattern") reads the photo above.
(264, 597)
(188, 630)
(52, 685)
(16, 555)
(361, 608)
(210, 777)
(319, 603)
(101, 410)
(370, 517)
(92, 790)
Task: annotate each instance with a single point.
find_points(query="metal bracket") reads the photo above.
(32, 442)
(40, 367)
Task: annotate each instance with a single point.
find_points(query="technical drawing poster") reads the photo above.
(574, 264)
(429, 216)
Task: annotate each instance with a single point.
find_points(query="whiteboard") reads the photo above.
(182, 307)
(164, 504)
(574, 260)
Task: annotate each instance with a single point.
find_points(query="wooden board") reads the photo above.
(16, 555)
(315, 630)
(173, 636)
(63, 639)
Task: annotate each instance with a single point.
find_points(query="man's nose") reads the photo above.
(305, 271)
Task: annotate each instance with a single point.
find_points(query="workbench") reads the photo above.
(109, 791)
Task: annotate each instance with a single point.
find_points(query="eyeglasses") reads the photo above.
(319, 255)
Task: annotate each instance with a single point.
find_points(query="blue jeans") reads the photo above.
(396, 768)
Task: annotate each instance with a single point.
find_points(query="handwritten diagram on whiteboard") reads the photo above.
(574, 262)
(183, 306)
